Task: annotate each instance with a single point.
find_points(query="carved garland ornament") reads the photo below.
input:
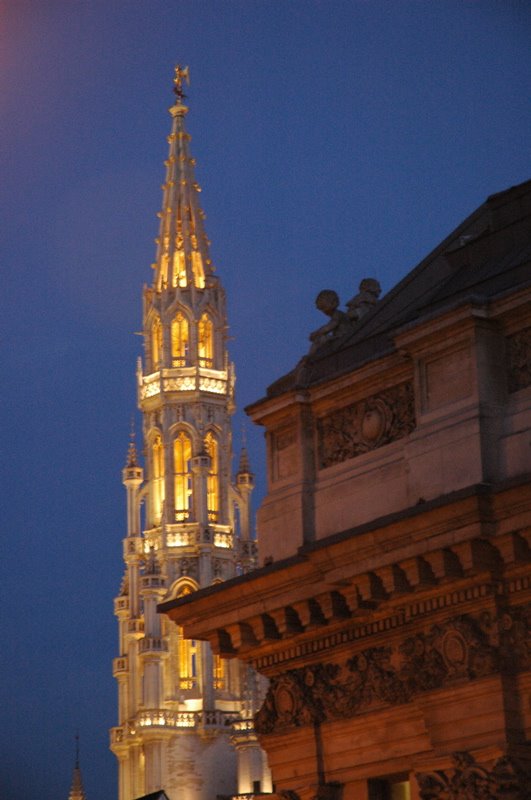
(519, 360)
(366, 425)
(507, 779)
(462, 648)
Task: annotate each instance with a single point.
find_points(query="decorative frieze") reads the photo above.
(461, 648)
(366, 425)
(519, 360)
(507, 777)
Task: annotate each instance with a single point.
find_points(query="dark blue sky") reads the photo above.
(334, 140)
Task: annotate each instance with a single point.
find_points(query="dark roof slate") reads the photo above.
(486, 256)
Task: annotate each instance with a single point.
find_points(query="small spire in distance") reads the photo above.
(77, 792)
(244, 467)
(132, 457)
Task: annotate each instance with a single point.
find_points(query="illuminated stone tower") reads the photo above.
(183, 713)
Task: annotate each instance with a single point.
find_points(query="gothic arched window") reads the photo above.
(156, 342)
(187, 653)
(182, 453)
(157, 453)
(180, 338)
(205, 341)
(212, 448)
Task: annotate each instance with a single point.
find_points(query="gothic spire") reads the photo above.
(76, 791)
(183, 259)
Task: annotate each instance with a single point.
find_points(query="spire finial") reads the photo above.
(77, 749)
(181, 73)
(132, 457)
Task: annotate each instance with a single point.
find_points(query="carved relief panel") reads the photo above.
(519, 360)
(507, 778)
(463, 648)
(366, 425)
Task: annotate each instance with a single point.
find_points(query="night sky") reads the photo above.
(334, 141)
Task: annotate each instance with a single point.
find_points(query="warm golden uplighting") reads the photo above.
(156, 342)
(179, 340)
(179, 268)
(182, 453)
(219, 673)
(197, 268)
(205, 341)
(157, 453)
(211, 446)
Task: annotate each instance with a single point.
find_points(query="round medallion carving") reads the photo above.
(372, 426)
(284, 702)
(455, 649)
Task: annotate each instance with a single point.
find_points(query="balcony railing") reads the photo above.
(172, 720)
(117, 735)
(119, 665)
(152, 582)
(182, 378)
(135, 627)
(121, 604)
(152, 644)
(223, 539)
(177, 536)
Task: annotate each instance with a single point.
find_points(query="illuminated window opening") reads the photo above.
(187, 653)
(182, 453)
(397, 788)
(158, 478)
(179, 268)
(197, 269)
(180, 340)
(219, 673)
(156, 342)
(205, 341)
(211, 446)
(163, 275)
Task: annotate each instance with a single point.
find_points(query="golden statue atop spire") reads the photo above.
(181, 73)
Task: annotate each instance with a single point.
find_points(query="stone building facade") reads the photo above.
(184, 714)
(391, 610)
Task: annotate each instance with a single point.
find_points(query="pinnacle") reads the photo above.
(244, 466)
(76, 791)
(132, 456)
(182, 260)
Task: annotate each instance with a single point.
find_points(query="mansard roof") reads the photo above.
(486, 256)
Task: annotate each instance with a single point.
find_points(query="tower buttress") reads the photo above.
(176, 699)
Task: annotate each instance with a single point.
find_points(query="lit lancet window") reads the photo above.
(187, 653)
(205, 341)
(197, 269)
(211, 446)
(219, 673)
(179, 268)
(182, 453)
(180, 337)
(156, 342)
(158, 478)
